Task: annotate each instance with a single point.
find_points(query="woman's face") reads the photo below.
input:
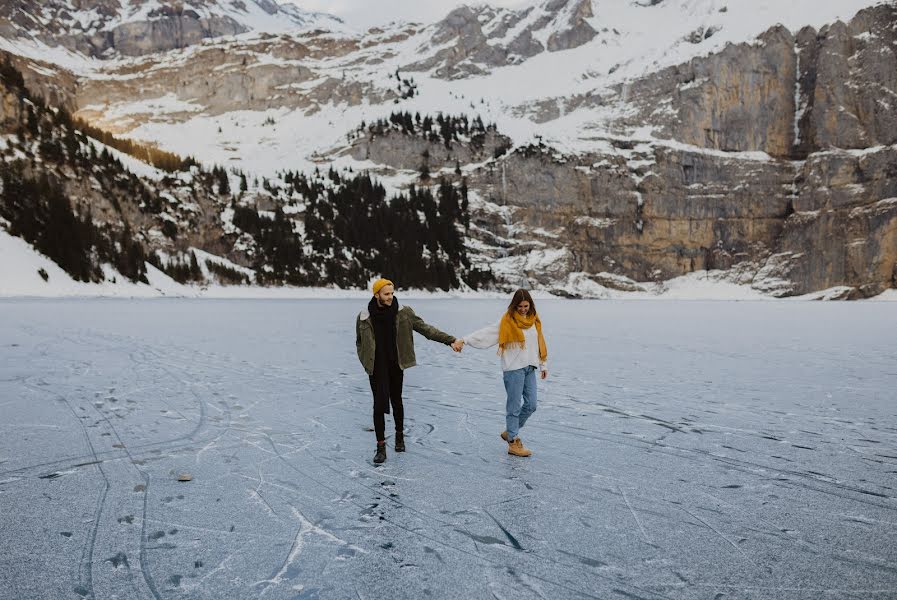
(523, 308)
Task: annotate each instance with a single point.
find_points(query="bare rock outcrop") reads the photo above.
(786, 227)
(848, 82)
(10, 108)
(169, 30)
(784, 95)
(399, 151)
(741, 99)
(243, 80)
(844, 230)
(101, 28)
(576, 30)
(54, 85)
(693, 211)
(473, 40)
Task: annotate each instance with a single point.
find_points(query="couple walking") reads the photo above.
(385, 346)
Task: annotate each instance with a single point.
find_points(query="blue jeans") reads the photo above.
(520, 385)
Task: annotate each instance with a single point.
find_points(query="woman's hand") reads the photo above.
(544, 373)
(457, 345)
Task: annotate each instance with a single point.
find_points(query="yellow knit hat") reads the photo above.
(380, 284)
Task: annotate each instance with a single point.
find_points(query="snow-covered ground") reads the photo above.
(681, 450)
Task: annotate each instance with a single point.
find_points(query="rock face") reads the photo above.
(243, 79)
(741, 99)
(786, 227)
(55, 86)
(786, 95)
(845, 229)
(470, 40)
(648, 226)
(849, 82)
(141, 27)
(575, 30)
(788, 178)
(172, 29)
(399, 151)
(10, 108)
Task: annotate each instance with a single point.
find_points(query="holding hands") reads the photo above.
(457, 345)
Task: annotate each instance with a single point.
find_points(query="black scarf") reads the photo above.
(383, 318)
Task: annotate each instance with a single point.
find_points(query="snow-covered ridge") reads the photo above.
(632, 40)
(107, 29)
(256, 15)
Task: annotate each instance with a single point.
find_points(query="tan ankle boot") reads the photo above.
(504, 435)
(516, 448)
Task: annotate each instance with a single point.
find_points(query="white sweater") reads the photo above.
(513, 358)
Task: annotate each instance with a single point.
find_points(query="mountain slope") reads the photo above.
(99, 213)
(308, 82)
(106, 28)
(633, 142)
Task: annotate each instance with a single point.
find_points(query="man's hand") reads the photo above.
(457, 345)
(544, 374)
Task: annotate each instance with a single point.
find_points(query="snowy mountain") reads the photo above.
(625, 143)
(472, 40)
(107, 28)
(80, 197)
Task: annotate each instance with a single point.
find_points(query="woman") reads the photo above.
(522, 348)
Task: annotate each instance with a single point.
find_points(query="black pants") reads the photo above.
(396, 377)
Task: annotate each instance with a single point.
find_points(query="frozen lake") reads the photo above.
(681, 450)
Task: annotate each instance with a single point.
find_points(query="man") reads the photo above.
(385, 345)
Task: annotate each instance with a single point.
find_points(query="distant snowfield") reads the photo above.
(20, 265)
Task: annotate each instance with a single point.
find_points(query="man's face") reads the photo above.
(384, 296)
(523, 308)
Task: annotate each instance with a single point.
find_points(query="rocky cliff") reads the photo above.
(773, 159)
(104, 28)
(471, 40)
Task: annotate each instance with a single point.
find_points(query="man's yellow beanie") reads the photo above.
(380, 284)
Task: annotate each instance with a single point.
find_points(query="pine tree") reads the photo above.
(223, 182)
(465, 205)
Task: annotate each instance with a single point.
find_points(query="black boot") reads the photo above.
(381, 453)
(400, 441)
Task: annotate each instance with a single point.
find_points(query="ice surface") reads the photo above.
(681, 450)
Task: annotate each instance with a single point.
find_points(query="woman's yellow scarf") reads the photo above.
(510, 332)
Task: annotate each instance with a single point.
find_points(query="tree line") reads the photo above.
(446, 129)
(353, 232)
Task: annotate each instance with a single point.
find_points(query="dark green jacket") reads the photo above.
(406, 322)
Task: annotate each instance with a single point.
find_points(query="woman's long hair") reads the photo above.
(520, 296)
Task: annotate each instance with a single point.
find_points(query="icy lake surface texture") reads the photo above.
(680, 450)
